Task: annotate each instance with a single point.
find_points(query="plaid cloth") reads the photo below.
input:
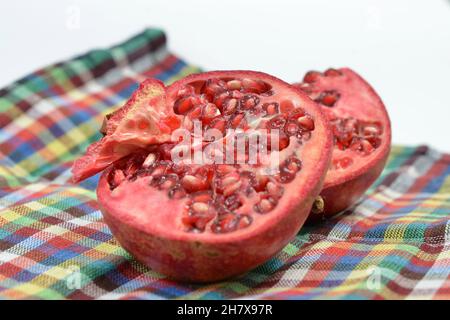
(54, 244)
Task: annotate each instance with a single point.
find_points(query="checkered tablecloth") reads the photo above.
(53, 243)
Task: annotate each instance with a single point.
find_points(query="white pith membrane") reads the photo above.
(356, 118)
(222, 198)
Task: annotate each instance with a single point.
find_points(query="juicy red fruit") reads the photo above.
(362, 135)
(205, 222)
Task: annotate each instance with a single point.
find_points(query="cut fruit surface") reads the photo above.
(144, 120)
(361, 131)
(209, 221)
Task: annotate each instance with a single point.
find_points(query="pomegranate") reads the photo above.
(362, 136)
(208, 221)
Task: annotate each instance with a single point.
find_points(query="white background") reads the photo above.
(401, 47)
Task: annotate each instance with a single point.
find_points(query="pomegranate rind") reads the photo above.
(147, 224)
(343, 188)
(147, 107)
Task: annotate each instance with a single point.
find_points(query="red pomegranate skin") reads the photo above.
(147, 223)
(343, 188)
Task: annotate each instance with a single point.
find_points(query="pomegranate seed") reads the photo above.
(225, 223)
(200, 207)
(201, 197)
(296, 113)
(233, 202)
(328, 98)
(230, 179)
(264, 206)
(274, 189)
(366, 147)
(374, 141)
(119, 177)
(234, 85)
(237, 120)
(192, 183)
(214, 87)
(219, 124)
(224, 168)
(332, 73)
(254, 86)
(183, 105)
(271, 108)
(291, 129)
(186, 91)
(283, 142)
(220, 99)
(231, 188)
(371, 129)
(306, 123)
(149, 161)
(230, 106)
(277, 122)
(210, 111)
(196, 113)
(244, 221)
(311, 76)
(249, 101)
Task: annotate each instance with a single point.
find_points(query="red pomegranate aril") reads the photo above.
(271, 108)
(186, 91)
(202, 196)
(224, 168)
(119, 177)
(219, 124)
(274, 189)
(244, 221)
(264, 206)
(220, 99)
(237, 120)
(277, 122)
(214, 87)
(234, 85)
(210, 111)
(249, 102)
(328, 98)
(306, 123)
(366, 147)
(183, 105)
(200, 207)
(149, 161)
(230, 106)
(254, 86)
(291, 128)
(193, 184)
(231, 188)
(311, 76)
(230, 179)
(233, 202)
(332, 73)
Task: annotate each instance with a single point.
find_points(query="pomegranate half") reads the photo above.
(210, 221)
(362, 136)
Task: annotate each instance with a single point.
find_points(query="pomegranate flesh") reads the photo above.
(209, 221)
(362, 136)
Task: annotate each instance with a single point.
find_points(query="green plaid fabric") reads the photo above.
(53, 243)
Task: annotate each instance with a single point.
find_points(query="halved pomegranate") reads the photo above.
(362, 136)
(210, 221)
